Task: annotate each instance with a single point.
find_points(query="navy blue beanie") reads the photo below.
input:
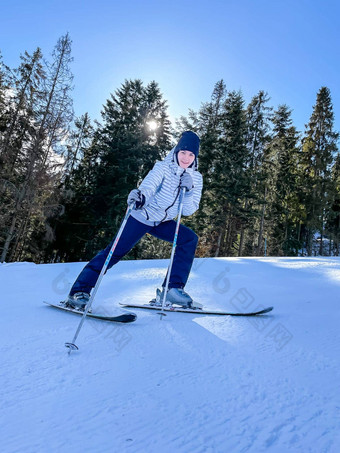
(189, 141)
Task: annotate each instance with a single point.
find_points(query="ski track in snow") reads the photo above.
(188, 383)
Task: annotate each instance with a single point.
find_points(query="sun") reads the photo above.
(153, 125)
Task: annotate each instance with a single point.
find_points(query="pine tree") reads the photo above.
(208, 123)
(319, 147)
(259, 167)
(124, 148)
(22, 97)
(231, 180)
(22, 101)
(285, 210)
(223, 158)
(78, 176)
(129, 148)
(333, 214)
(47, 112)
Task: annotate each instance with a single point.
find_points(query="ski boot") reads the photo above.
(176, 296)
(78, 301)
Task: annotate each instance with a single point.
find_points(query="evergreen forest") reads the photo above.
(269, 189)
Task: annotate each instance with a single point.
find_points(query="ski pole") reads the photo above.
(72, 346)
(180, 208)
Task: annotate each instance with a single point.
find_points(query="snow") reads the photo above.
(188, 383)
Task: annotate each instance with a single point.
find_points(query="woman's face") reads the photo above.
(185, 158)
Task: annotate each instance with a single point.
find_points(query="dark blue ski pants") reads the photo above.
(133, 232)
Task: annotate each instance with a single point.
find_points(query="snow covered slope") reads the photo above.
(188, 383)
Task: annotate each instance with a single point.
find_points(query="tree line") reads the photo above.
(269, 189)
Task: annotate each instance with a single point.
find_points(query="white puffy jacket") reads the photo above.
(161, 190)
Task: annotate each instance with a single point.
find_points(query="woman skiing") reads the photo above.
(156, 205)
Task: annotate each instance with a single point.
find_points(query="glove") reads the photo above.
(136, 196)
(186, 181)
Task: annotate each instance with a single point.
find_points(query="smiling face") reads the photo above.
(185, 158)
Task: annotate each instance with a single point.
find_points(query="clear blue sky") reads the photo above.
(289, 48)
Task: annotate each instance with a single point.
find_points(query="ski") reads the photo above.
(198, 311)
(123, 318)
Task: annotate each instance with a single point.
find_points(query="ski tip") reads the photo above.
(267, 310)
(126, 317)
